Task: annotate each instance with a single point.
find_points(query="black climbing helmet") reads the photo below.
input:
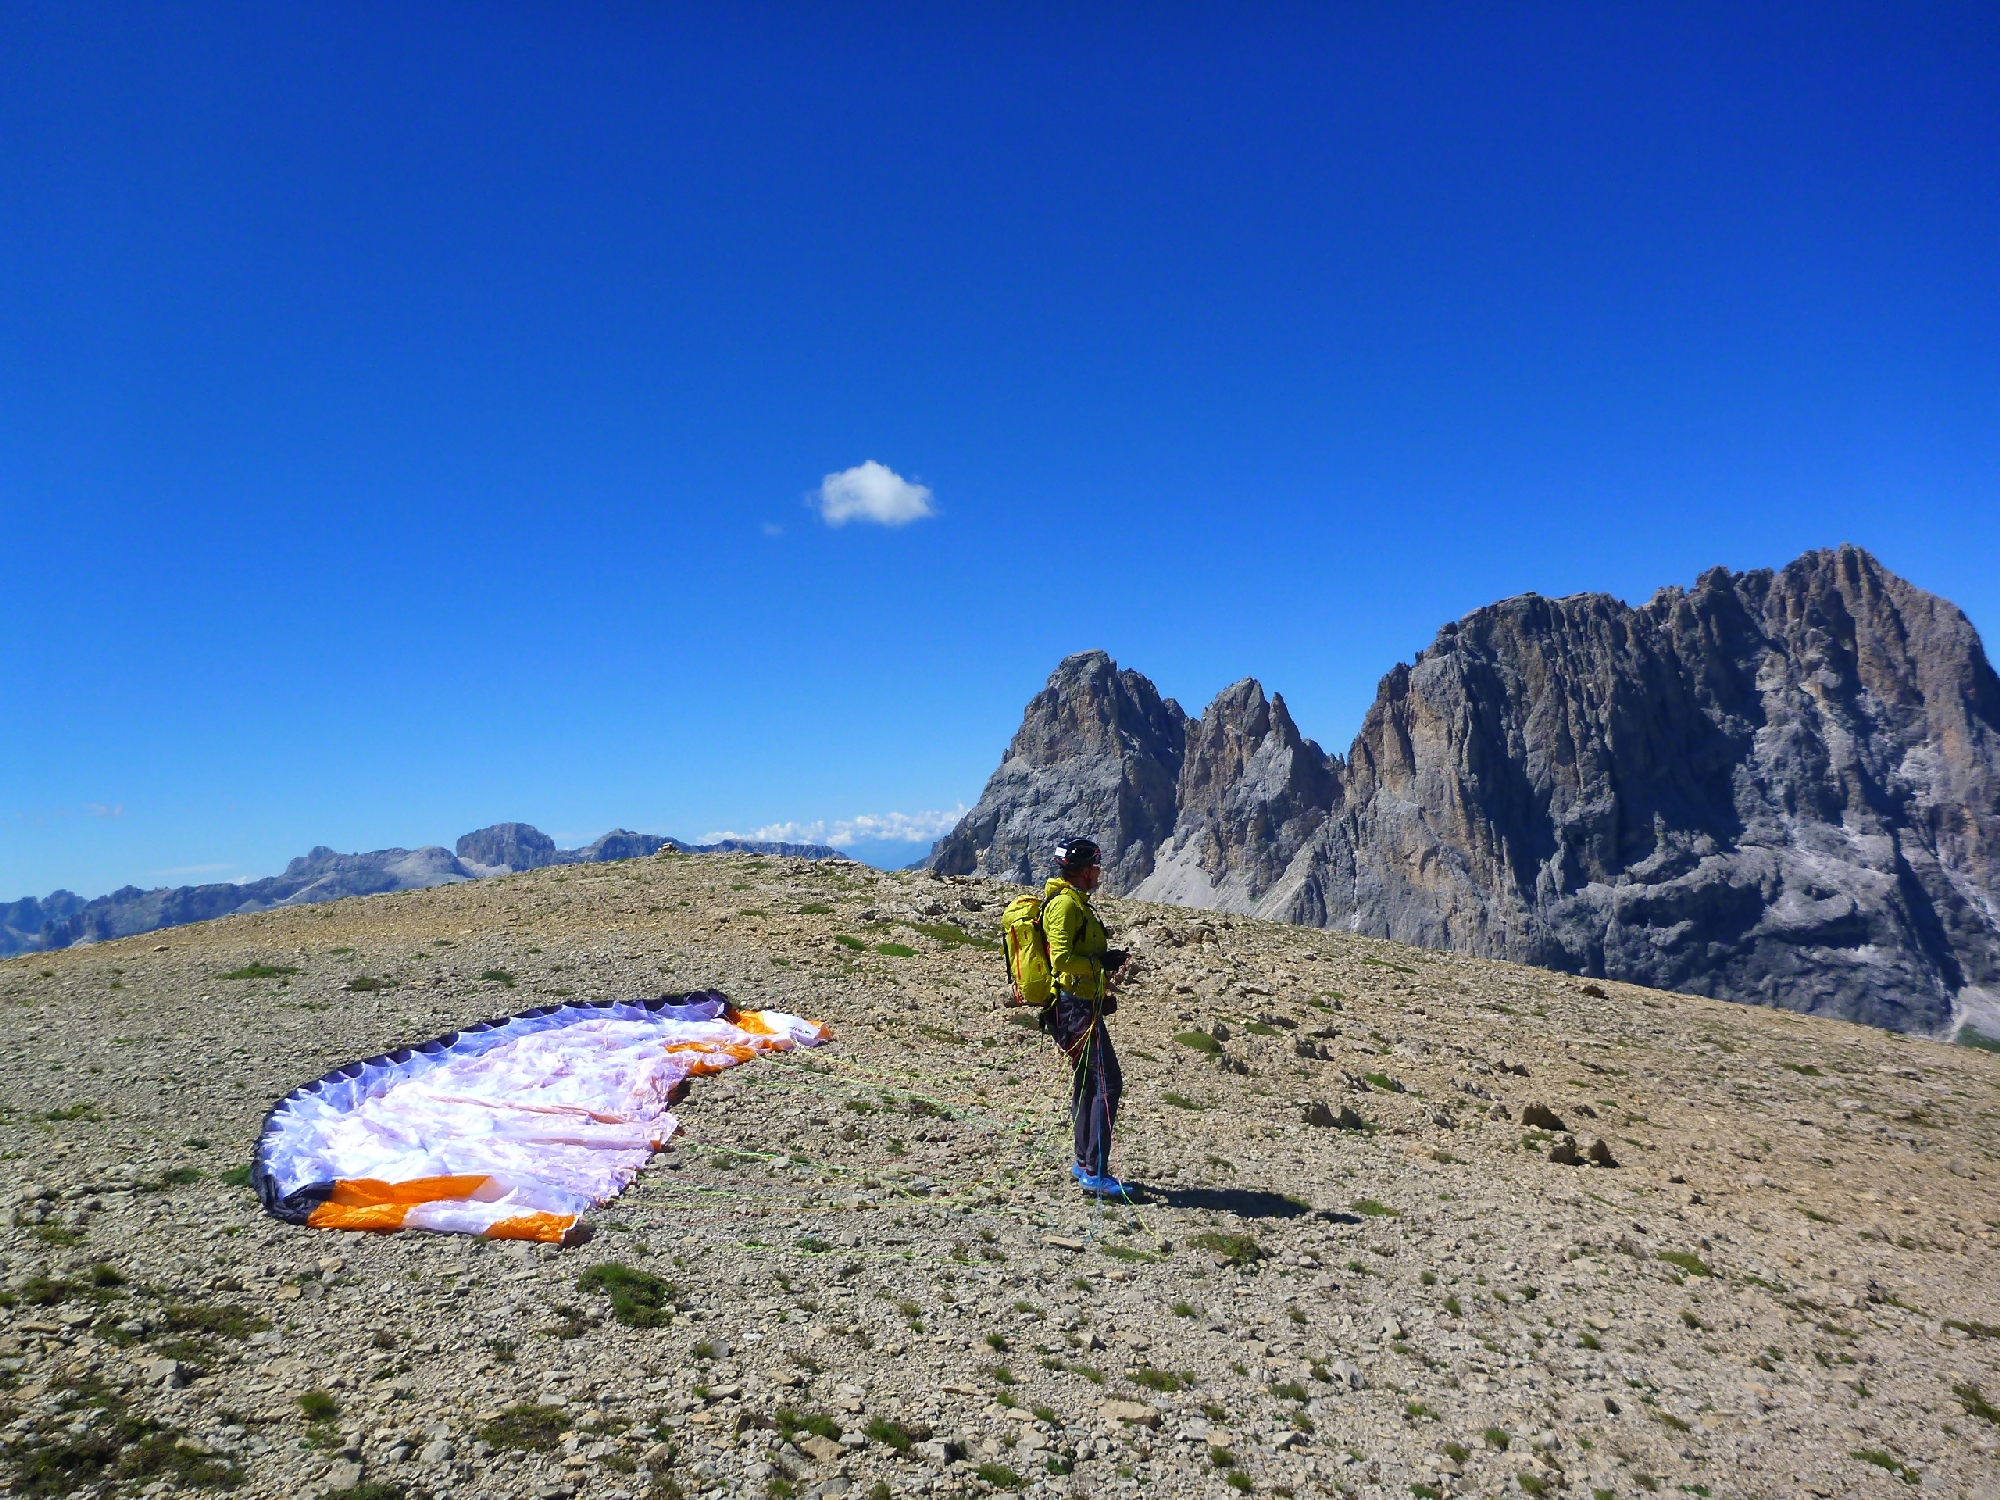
(1074, 855)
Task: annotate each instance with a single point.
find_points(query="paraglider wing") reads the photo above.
(510, 1129)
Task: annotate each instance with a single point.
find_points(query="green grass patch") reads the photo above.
(1237, 1249)
(1687, 1261)
(792, 1422)
(1126, 1252)
(222, 1320)
(261, 971)
(1164, 1381)
(1200, 1041)
(368, 984)
(1978, 1040)
(532, 1429)
(999, 1476)
(1181, 1101)
(895, 950)
(1384, 1082)
(1374, 1210)
(83, 1111)
(497, 976)
(847, 940)
(1888, 1463)
(1975, 1404)
(319, 1406)
(639, 1299)
(889, 1434)
(953, 936)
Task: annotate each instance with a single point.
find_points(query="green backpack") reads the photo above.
(1027, 947)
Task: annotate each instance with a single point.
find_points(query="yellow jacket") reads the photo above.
(1077, 940)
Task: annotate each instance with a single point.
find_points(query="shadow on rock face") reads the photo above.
(1245, 1203)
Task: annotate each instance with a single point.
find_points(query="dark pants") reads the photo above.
(1096, 1083)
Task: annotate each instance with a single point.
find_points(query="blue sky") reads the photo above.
(408, 415)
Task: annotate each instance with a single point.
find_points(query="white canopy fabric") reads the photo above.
(511, 1129)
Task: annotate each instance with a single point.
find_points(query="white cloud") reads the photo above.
(772, 528)
(871, 492)
(101, 810)
(888, 828)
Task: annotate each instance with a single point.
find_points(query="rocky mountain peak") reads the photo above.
(1775, 786)
(1099, 751)
(507, 846)
(1252, 790)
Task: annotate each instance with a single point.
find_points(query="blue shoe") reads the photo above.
(1106, 1186)
(1076, 1171)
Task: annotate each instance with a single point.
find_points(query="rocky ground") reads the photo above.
(1361, 1266)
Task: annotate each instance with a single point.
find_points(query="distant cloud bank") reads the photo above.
(871, 492)
(891, 828)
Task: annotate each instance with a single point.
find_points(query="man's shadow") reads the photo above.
(1244, 1203)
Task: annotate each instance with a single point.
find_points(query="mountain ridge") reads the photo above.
(1778, 786)
(62, 918)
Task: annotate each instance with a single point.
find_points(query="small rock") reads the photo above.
(1539, 1116)
(658, 1457)
(1345, 1374)
(1599, 1152)
(1135, 1413)
(344, 1476)
(820, 1449)
(1563, 1152)
(1320, 1116)
(436, 1451)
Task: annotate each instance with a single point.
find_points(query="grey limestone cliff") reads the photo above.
(1098, 752)
(1252, 791)
(1781, 788)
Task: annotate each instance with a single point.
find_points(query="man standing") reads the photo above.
(1082, 963)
